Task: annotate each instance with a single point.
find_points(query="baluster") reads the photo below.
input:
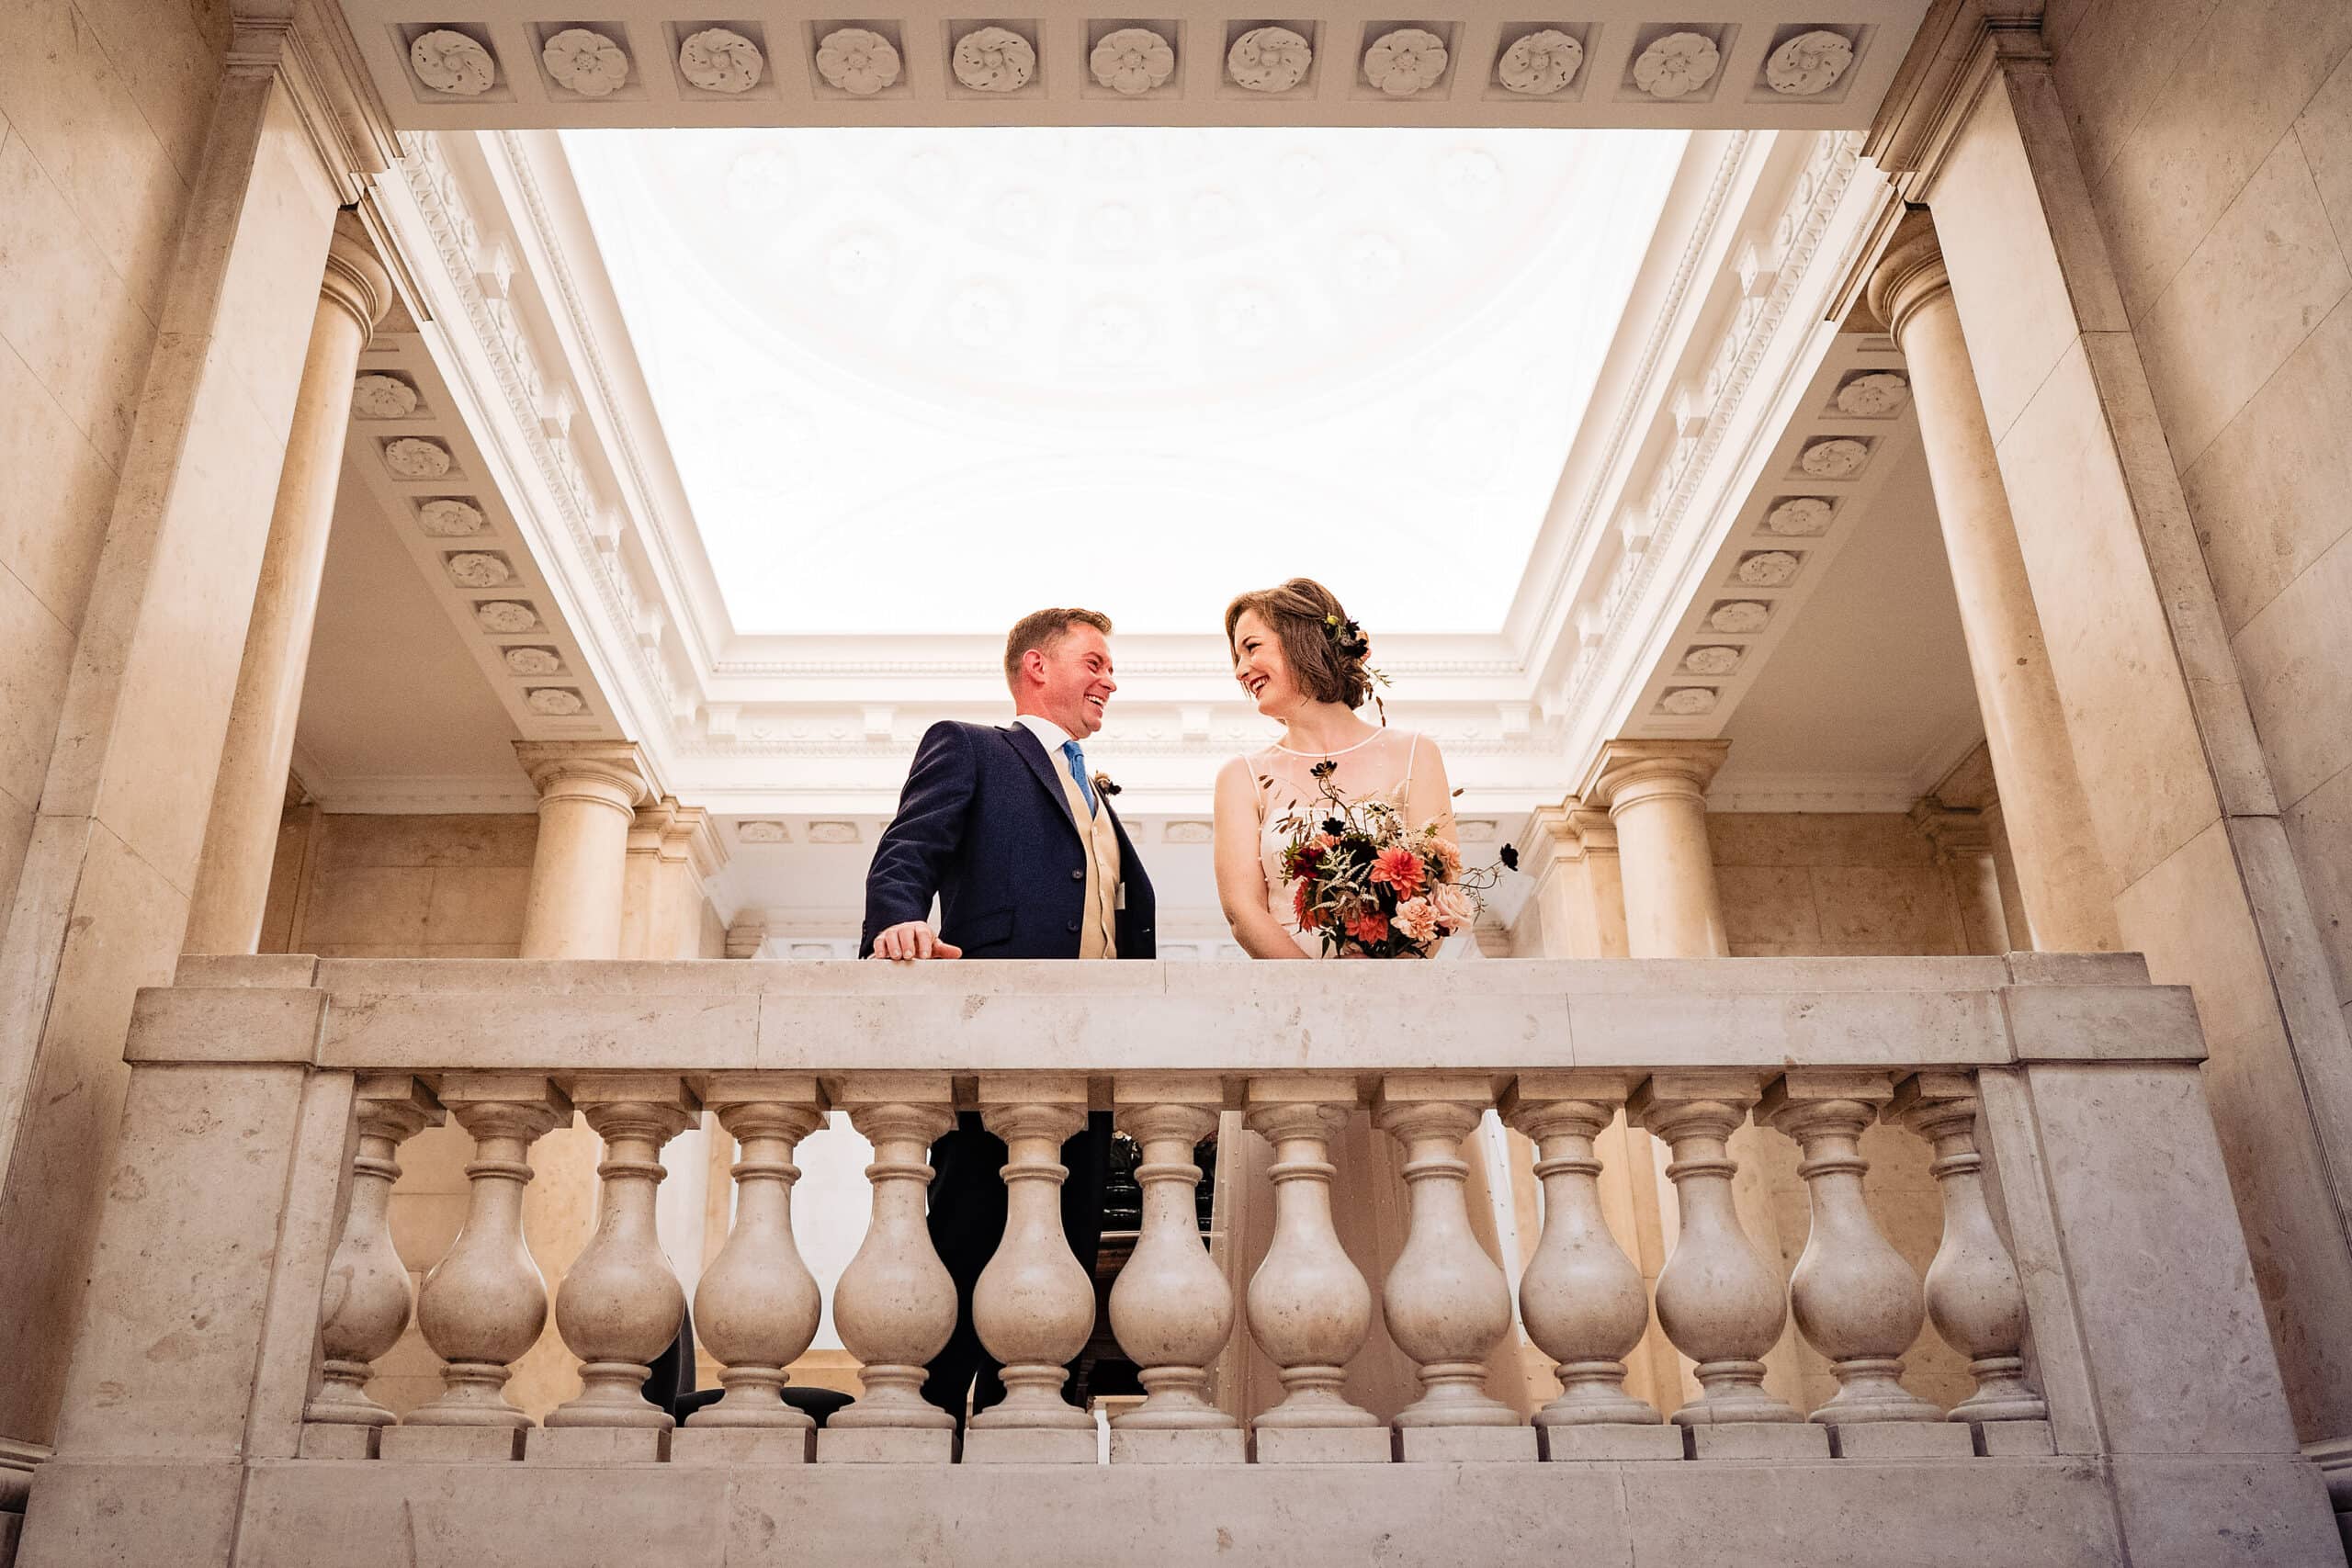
(1857, 1300)
(1034, 1305)
(367, 1298)
(1975, 1297)
(1582, 1299)
(1171, 1307)
(620, 1304)
(1446, 1303)
(896, 1303)
(1307, 1305)
(484, 1304)
(758, 1306)
(1718, 1301)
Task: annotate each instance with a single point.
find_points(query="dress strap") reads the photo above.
(1412, 752)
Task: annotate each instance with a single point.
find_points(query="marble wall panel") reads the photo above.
(368, 906)
(1907, 909)
(36, 654)
(59, 492)
(168, 64)
(1831, 884)
(1768, 906)
(1815, 837)
(479, 906)
(473, 838)
(2249, 296)
(2319, 825)
(2324, 128)
(2111, 76)
(2296, 659)
(15, 837)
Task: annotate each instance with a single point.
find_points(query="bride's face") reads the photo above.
(1259, 666)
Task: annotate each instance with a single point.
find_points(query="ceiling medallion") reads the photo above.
(554, 702)
(861, 263)
(994, 59)
(1132, 60)
(1269, 60)
(534, 661)
(720, 60)
(981, 315)
(473, 570)
(449, 62)
(1711, 660)
(1688, 701)
(414, 457)
(1739, 616)
(1373, 263)
(1808, 64)
(1767, 568)
(1677, 64)
(1539, 63)
(382, 397)
(856, 59)
(1403, 62)
(1874, 396)
(759, 182)
(586, 62)
(449, 518)
(506, 616)
(1799, 517)
(1840, 457)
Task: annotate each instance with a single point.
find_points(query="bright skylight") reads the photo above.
(926, 380)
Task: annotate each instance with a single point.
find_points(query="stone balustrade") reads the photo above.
(2091, 1271)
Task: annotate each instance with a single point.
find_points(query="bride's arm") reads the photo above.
(1433, 793)
(1240, 877)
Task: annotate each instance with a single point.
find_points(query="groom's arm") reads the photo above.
(926, 834)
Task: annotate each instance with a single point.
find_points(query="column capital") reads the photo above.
(1549, 838)
(1954, 830)
(1627, 770)
(355, 279)
(693, 837)
(1910, 274)
(747, 936)
(610, 772)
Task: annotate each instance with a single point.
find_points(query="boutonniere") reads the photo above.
(1103, 785)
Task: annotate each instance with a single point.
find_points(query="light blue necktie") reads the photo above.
(1078, 771)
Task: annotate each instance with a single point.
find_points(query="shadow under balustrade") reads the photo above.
(2091, 1270)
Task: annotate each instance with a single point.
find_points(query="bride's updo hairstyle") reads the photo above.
(1308, 619)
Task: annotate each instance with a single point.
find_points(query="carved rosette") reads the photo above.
(1677, 65)
(1878, 395)
(506, 618)
(449, 518)
(585, 62)
(1541, 63)
(1269, 60)
(1711, 660)
(448, 61)
(471, 568)
(534, 661)
(1839, 457)
(762, 834)
(858, 61)
(720, 60)
(1132, 60)
(378, 396)
(1739, 616)
(554, 702)
(1799, 517)
(1402, 62)
(1688, 702)
(1767, 568)
(416, 458)
(994, 59)
(1808, 64)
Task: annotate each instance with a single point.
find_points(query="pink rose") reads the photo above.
(1417, 920)
(1454, 911)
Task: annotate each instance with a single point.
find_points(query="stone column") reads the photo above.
(1964, 848)
(249, 793)
(589, 792)
(1656, 794)
(2065, 880)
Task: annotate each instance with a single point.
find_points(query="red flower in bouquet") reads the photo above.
(1302, 918)
(1400, 868)
(1369, 927)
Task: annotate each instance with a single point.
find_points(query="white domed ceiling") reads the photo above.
(899, 367)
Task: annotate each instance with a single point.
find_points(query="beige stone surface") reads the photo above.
(35, 647)
(2324, 128)
(2296, 656)
(595, 1446)
(2320, 827)
(1903, 1439)
(1032, 1445)
(1176, 1445)
(2110, 75)
(2222, 1514)
(1466, 1445)
(885, 1445)
(1322, 1445)
(1589, 1445)
(1759, 1440)
(55, 521)
(2010, 1440)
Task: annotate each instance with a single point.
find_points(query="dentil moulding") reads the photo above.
(1808, 64)
(1876, 395)
(858, 61)
(994, 59)
(1677, 64)
(1539, 63)
(1269, 60)
(585, 62)
(449, 518)
(720, 60)
(1132, 60)
(377, 396)
(1839, 457)
(1402, 62)
(449, 62)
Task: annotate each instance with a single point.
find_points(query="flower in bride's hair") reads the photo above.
(1418, 920)
(1455, 912)
(1369, 926)
(1400, 868)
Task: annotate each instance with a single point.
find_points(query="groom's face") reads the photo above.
(1075, 671)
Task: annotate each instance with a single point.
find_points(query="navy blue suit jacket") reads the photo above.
(984, 824)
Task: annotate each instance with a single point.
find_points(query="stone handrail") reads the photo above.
(2091, 1269)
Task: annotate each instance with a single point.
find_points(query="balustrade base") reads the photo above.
(744, 1445)
(430, 1444)
(2015, 1440)
(596, 1445)
(1593, 1443)
(1463, 1445)
(1900, 1440)
(1322, 1445)
(336, 1440)
(1032, 1445)
(1178, 1445)
(838, 1444)
(1758, 1440)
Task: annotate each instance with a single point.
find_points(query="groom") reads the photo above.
(1006, 827)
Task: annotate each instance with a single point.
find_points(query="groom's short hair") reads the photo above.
(1042, 629)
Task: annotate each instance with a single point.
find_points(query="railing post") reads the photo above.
(1171, 1307)
(1445, 1302)
(367, 1299)
(1034, 1305)
(1582, 1299)
(757, 1307)
(1308, 1306)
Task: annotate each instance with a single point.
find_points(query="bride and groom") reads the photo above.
(1018, 841)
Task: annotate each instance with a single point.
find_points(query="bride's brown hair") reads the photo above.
(1309, 620)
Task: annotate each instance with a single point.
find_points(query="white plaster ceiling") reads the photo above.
(923, 381)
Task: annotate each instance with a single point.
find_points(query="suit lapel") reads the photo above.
(1031, 750)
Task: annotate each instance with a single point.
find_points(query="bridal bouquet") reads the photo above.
(1368, 883)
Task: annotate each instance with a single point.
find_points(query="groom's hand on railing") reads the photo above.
(913, 939)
